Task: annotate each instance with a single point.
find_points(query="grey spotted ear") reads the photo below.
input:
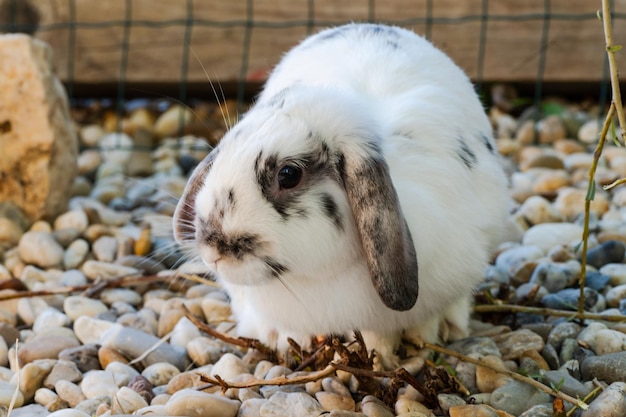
(185, 213)
(384, 234)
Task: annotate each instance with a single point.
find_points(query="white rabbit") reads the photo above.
(301, 211)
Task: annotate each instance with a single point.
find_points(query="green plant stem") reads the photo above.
(592, 177)
(587, 399)
(610, 51)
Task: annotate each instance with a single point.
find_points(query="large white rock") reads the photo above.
(38, 143)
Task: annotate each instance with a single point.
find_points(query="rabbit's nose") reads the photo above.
(210, 256)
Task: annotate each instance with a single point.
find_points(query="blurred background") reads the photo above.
(155, 48)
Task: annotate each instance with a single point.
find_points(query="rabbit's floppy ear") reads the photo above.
(185, 213)
(384, 234)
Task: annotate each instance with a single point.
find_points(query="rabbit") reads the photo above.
(365, 166)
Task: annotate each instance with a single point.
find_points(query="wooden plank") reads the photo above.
(225, 46)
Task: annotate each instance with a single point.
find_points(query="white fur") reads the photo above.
(420, 103)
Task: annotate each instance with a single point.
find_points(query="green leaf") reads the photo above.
(578, 246)
(614, 134)
(614, 48)
(599, 14)
(560, 384)
(591, 192)
(549, 109)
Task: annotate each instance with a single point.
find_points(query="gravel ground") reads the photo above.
(109, 336)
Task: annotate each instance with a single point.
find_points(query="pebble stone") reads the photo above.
(192, 403)
(133, 343)
(548, 235)
(40, 249)
(611, 402)
(76, 306)
(512, 345)
(616, 273)
(516, 397)
(98, 383)
(75, 349)
(160, 373)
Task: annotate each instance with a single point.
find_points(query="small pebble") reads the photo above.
(488, 380)
(192, 403)
(516, 397)
(31, 376)
(611, 402)
(540, 410)
(104, 270)
(609, 368)
(567, 299)
(566, 383)
(76, 306)
(73, 219)
(62, 370)
(373, 407)
(160, 373)
(552, 276)
(616, 273)
(561, 332)
(331, 401)
(596, 280)
(478, 410)
(606, 253)
(512, 345)
(40, 249)
(446, 401)
(549, 235)
(45, 347)
(85, 357)
(90, 330)
(133, 343)
(610, 341)
(615, 295)
(105, 248)
(251, 407)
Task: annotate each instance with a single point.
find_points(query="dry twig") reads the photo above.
(513, 308)
(506, 372)
(237, 341)
(90, 290)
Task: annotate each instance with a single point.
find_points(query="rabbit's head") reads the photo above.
(300, 187)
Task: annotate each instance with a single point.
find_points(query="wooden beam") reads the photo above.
(102, 42)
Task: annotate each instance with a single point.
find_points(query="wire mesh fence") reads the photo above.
(128, 48)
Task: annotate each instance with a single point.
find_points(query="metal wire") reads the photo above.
(427, 20)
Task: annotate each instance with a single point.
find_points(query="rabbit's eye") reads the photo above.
(289, 176)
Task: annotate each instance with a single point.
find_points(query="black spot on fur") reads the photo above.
(275, 268)
(466, 154)
(334, 33)
(340, 166)
(231, 197)
(487, 143)
(331, 210)
(236, 245)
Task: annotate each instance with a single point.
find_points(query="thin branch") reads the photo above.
(512, 308)
(400, 374)
(237, 341)
(587, 399)
(590, 194)
(90, 289)
(151, 349)
(216, 380)
(511, 374)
